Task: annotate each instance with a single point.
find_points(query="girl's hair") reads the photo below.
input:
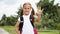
(21, 12)
(32, 15)
(32, 12)
(26, 4)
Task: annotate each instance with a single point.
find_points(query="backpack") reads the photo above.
(22, 21)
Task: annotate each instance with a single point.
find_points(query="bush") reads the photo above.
(58, 26)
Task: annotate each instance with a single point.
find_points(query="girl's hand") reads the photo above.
(39, 11)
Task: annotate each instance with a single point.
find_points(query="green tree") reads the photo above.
(50, 14)
(20, 9)
(11, 20)
(3, 22)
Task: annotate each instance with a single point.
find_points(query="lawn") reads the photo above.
(48, 32)
(11, 30)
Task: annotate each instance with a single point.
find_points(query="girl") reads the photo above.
(28, 25)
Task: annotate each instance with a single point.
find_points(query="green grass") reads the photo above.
(11, 30)
(48, 32)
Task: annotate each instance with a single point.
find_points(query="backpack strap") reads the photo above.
(21, 23)
(32, 21)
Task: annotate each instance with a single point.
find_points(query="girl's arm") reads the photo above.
(17, 27)
(39, 13)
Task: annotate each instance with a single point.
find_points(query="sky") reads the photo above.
(10, 7)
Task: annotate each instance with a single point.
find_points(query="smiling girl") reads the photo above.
(25, 23)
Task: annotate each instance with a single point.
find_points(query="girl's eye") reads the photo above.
(25, 8)
(28, 8)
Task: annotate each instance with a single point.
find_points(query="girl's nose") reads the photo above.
(27, 10)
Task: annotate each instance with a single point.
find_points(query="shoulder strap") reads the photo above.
(21, 23)
(32, 21)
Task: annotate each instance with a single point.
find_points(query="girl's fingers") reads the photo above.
(42, 10)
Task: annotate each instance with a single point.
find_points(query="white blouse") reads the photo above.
(27, 26)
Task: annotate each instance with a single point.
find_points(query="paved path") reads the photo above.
(2, 31)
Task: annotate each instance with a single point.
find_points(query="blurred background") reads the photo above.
(49, 21)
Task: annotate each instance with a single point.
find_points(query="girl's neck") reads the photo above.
(26, 14)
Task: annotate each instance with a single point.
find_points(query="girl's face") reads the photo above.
(26, 9)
